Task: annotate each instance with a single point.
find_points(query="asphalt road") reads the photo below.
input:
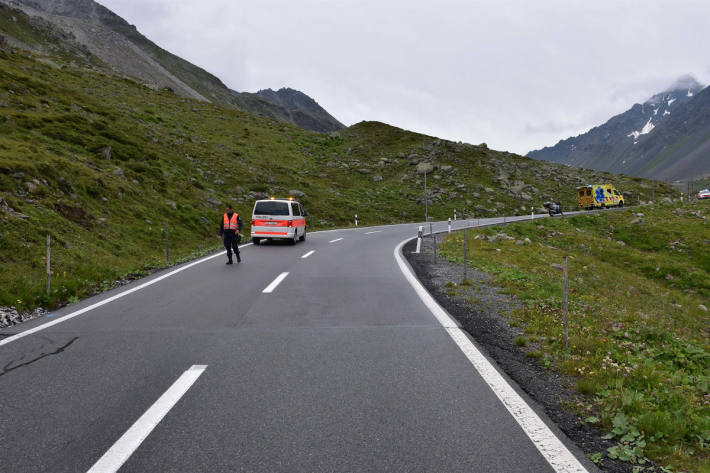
(342, 367)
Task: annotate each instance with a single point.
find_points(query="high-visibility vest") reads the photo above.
(233, 223)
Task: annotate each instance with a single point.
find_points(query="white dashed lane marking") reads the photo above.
(308, 254)
(333, 241)
(270, 288)
(124, 447)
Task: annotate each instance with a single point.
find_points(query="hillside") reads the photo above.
(101, 162)
(664, 138)
(639, 351)
(125, 51)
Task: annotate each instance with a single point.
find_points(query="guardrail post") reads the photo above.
(431, 229)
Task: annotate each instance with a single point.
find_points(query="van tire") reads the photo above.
(255, 240)
(293, 240)
(303, 237)
(621, 203)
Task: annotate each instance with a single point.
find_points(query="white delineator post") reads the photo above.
(356, 220)
(449, 225)
(454, 215)
(419, 238)
(532, 215)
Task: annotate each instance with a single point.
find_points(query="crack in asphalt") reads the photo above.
(7, 368)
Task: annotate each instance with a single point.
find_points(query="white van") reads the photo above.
(282, 219)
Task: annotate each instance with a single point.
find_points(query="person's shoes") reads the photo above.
(229, 262)
(239, 259)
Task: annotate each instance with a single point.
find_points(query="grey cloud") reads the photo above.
(518, 75)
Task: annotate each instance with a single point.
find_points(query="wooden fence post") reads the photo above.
(565, 308)
(464, 255)
(49, 271)
(167, 244)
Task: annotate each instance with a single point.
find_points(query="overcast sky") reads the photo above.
(515, 74)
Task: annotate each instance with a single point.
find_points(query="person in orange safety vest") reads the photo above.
(230, 232)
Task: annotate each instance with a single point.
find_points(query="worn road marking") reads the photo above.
(370, 233)
(124, 447)
(108, 299)
(270, 288)
(333, 241)
(551, 447)
(308, 254)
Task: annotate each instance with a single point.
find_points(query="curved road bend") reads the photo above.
(340, 367)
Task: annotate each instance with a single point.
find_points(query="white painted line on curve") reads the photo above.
(308, 254)
(270, 288)
(124, 447)
(370, 233)
(333, 241)
(547, 443)
(109, 299)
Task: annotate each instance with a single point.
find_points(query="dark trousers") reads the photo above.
(231, 242)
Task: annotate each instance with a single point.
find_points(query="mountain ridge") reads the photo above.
(128, 52)
(634, 142)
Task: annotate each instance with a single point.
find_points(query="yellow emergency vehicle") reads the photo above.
(599, 196)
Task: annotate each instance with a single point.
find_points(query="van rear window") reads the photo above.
(271, 208)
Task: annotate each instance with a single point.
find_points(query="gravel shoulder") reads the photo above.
(482, 310)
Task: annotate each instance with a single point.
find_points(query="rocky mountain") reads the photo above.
(661, 138)
(125, 51)
(289, 104)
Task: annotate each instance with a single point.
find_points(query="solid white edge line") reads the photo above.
(333, 241)
(270, 288)
(308, 254)
(71, 315)
(551, 447)
(124, 447)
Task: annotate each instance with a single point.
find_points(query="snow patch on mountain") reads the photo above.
(644, 131)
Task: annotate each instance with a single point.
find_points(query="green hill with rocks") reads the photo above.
(101, 162)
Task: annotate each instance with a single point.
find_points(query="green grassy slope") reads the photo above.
(639, 335)
(101, 162)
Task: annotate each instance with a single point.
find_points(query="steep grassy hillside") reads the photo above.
(101, 162)
(639, 323)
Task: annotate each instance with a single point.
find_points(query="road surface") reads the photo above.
(315, 357)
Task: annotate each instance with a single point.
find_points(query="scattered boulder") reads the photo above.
(702, 307)
(364, 171)
(498, 237)
(107, 152)
(377, 178)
